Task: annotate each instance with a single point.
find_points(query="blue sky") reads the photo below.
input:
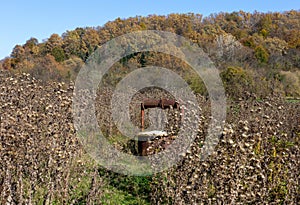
(22, 19)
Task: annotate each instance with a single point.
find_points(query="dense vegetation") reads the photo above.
(256, 161)
(42, 161)
(260, 49)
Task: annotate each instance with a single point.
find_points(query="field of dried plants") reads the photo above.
(257, 160)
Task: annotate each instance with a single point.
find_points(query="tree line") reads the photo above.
(255, 52)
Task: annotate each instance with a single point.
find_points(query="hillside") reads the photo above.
(262, 47)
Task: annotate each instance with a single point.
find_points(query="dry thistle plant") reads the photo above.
(256, 161)
(41, 159)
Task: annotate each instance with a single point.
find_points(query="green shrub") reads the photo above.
(261, 54)
(236, 81)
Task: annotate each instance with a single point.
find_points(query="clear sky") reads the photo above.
(22, 19)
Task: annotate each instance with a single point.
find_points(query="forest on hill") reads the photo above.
(255, 52)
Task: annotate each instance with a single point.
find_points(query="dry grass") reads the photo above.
(256, 161)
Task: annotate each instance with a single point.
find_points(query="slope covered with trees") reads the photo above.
(262, 47)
